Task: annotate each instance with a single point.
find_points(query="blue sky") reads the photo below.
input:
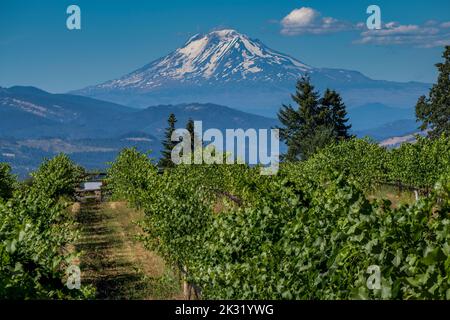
(118, 36)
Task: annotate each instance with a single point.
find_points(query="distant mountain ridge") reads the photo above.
(390, 129)
(154, 119)
(374, 115)
(78, 117)
(28, 112)
(35, 124)
(229, 68)
(31, 112)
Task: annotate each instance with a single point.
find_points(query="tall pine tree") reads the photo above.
(434, 111)
(300, 122)
(195, 141)
(193, 135)
(315, 123)
(336, 114)
(166, 161)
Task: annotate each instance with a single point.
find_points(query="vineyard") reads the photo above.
(310, 232)
(37, 231)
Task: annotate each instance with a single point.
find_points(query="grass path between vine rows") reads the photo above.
(114, 261)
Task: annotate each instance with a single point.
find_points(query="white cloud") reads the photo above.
(309, 21)
(300, 18)
(428, 35)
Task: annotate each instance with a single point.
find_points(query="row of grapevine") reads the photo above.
(416, 165)
(307, 233)
(421, 163)
(35, 231)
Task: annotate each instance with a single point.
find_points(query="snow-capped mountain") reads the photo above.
(228, 67)
(220, 56)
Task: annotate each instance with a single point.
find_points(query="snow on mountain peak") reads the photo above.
(229, 68)
(225, 32)
(221, 55)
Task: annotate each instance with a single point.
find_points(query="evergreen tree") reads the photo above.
(335, 114)
(434, 111)
(301, 122)
(323, 135)
(193, 135)
(195, 140)
(168, 144)
(291, 121)
(7, 181)
(316, 122)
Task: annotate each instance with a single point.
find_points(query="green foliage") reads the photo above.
(178, 211)
(420, 164)
(190, 128)
(416, 165)
(166, 154)
(35, 233)
(316, 122)
(434, 111)
(319, 245)
(131, 173)
(307, 233)
(359, 160)
(57, 177)
(322, 137)
(335, 114)
(7, 181)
